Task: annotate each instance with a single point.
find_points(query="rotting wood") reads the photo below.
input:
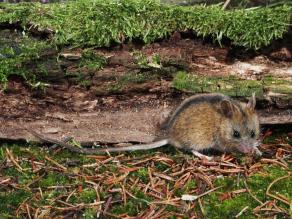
(108, 127)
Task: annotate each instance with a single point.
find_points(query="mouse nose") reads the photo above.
(245, 148)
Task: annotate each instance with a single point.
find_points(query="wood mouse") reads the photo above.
(200, 122)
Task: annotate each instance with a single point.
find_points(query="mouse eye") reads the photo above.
(236, 134)
(252, 134)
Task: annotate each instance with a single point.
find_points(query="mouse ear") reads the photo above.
(227, 108)
(252, 102)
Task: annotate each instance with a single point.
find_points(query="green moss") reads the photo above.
(231, 86)
(84, 69)
(25, 150)
(99, 23)
(129, 79)
(142, 174)
(114, 88)
(113, 168)
(134, 205)
(11, 171)
(102, 22)
(91, 60)
(186, 188)
(190, 185)
(53, 179)
(278, 85)
(15, 52)
(161, 166)
(87, 196)
(141, 197)
(12, 199)
(230, 207)
(129, 208)
(134, 78)
(90, 213)
(257, 183)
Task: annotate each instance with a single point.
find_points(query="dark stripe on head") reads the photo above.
(242, 111)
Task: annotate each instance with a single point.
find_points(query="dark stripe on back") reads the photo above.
(204, 98)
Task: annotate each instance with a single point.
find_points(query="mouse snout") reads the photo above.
(249, 147)
(246, 148)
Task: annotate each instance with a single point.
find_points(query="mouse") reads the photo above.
(200, 122)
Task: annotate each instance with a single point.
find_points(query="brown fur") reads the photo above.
(200, 124)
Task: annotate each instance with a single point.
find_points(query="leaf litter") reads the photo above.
(155, 184)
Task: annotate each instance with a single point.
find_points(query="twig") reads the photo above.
(41, 192)
(69, 196)
(18, 167)
(195, 197)
(124, 193)
(205, 178)
(140, 199)
(242, 211)
(163, 176)
(274, 161)
(201, 207)
(107, 204)
(28, 211)
(167, 202)
(56, 163)
(282, 199)
(5, 181)
(254, 197)
(65, 203)
(21, 206)
(226, 4)
(258, 208)
(79, 206)
(236, 170)
(158, 213)
(150, 177)
(116, 179)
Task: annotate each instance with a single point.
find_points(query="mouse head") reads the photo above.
(239, 129)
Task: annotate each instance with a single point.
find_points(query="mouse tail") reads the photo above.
(137, 147)
(98, 150)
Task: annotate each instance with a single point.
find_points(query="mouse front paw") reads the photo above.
(257, 152)
(202, 156)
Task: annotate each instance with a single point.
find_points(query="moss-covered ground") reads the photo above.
(230, 85)
(99, 23)
(44, 182)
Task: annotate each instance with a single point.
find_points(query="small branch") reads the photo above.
(241, 212)
(226, 4)
(10, 156)
(56, 163)
(282, 199)
(248, 190)
(195, 197)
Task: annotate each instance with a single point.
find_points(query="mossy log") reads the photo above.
(120, 94)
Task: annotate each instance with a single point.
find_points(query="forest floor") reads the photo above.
(46, 182)
(124, 102)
